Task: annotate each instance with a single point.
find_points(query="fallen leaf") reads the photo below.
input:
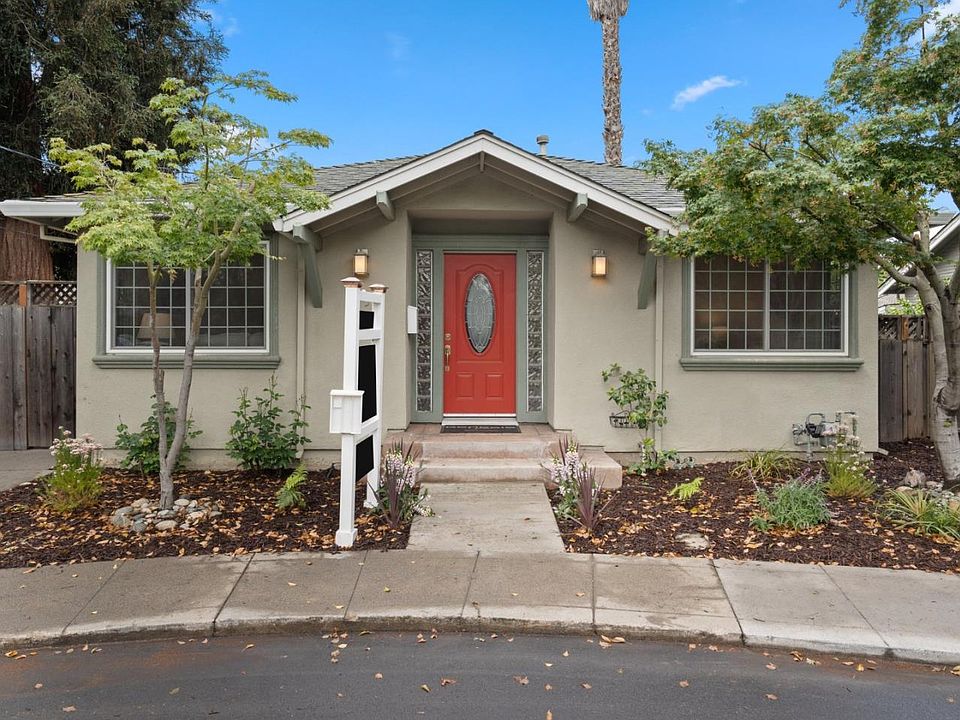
(11, 653)
(174, 691)
(69, 708)
(860, 667)
(447, 681)
(580, 594)
(248, 646)
(771, 666)
(386, 589)
(520, 679)
(771, 696)
(38, 686)
(292, 584)
(956, 671)
(549, 715)
(339, 607)
(425, 688)
(546, 664)
(378, 676)
(848, 663)
(586, 686)
(684, 683)
(548, 687)
(566, 653)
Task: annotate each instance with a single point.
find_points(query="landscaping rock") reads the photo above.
(185, 526)
(196, 515)
(122, 517)
(181, 502)
(166, 514)
(953, 506)
(694, 541)
(166, 525)
(139, 526)
(914, 478)
(906, 489)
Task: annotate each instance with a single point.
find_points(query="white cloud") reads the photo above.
(951, 7)
(398, 47)
(695, 92)
(228, 25)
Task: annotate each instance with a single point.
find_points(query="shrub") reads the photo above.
(289, 496)
(922, 511)
(798, 504)
(143, 448)
(685, 491)
(766, 465)
(637, 397)
(75, 480)
(846, 467)
(653, 460)
(259, 439)
(399, 498)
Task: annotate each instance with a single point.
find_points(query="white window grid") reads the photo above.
(767, 350)
(187, 278)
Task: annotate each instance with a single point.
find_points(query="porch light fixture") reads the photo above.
(361, 260)
(598, 264)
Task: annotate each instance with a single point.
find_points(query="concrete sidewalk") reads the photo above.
(20, 466)
(905, 614)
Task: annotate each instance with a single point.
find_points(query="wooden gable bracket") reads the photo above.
(648, 276)
(385, 205)
(576, 208)
(308, 242)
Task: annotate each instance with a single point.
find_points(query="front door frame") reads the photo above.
(519, 245)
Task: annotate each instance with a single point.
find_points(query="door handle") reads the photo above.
(446, 358)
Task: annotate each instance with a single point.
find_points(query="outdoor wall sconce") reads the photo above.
(361, 260)
(598, 264)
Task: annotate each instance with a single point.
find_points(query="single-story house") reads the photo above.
(530, 273)
(944, 244)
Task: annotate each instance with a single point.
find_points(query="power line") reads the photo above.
(30, 157)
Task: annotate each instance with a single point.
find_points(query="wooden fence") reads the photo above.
(37, 362)
(906, 378)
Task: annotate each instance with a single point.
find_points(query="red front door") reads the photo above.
(479, 334)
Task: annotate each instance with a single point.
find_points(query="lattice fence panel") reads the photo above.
(9, 293)
(53, 293)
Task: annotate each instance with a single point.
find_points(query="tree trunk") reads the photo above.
(24, 255)
(612, 127)
(944, 329)
(166, 469)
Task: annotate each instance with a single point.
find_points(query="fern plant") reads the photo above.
(289, 496)
(684, 491)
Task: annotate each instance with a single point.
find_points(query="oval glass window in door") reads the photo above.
(480, 312)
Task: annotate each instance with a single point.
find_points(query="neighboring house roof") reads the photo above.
(948, 231)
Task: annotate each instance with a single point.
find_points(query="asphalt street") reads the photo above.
(462, 676)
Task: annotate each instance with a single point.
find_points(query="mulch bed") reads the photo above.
(32, 534)
(643, 520)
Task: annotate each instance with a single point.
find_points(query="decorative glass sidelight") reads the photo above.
(480, 312)
(534, 331)
(424, 342)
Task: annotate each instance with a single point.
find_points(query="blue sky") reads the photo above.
(386, 78)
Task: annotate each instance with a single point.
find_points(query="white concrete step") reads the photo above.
(501, 446)
(481, 469)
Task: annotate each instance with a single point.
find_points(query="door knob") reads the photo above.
(446, 358)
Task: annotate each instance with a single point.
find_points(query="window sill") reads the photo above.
(222, 361)
(772, 364)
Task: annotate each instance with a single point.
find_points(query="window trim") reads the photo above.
(841, 360)
(109, 308)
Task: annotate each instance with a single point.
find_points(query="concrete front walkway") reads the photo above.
(487, 517)
(20, 466)
(904, 614)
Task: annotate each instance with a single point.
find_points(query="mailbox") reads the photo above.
(346, 411)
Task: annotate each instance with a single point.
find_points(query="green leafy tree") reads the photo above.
(848, 178)
(85, 70)
(239, 179)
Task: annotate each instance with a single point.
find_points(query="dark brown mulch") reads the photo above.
(30, 533)
(642, 520)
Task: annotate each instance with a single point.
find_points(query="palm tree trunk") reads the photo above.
(612, 126)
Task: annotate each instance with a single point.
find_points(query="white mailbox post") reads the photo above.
(356, 409)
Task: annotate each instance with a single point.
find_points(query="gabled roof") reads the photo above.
(626, 192)
(633, 183)
(939, 237)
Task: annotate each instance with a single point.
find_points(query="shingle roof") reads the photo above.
(635, 184)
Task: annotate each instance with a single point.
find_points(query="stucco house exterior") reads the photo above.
(497, 248)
